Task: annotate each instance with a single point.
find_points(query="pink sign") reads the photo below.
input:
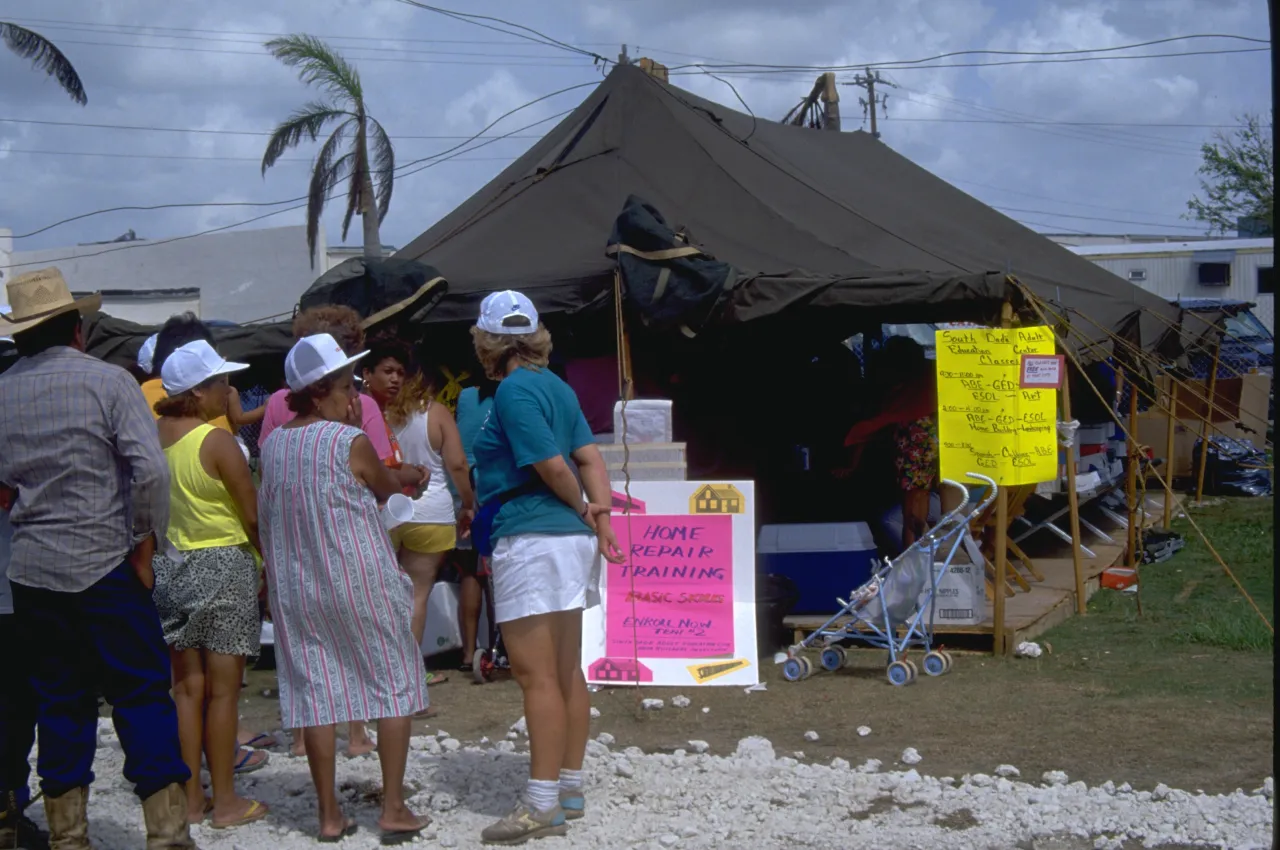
(673, 596)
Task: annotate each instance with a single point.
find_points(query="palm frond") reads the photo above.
(326, 174)
(353, 198)
(307, 122)
(319, 64)
(383, 168)
(45, 57)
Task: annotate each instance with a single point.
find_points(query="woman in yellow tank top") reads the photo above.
(206, 580)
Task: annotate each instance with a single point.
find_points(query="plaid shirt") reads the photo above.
(80, 446)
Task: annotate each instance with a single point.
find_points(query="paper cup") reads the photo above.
(397, 511)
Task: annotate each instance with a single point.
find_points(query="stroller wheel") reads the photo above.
(482, 670)
(899, 674)
(915, 671)
(935, 664)
(793, 670)
(833, 658)
(946, 656)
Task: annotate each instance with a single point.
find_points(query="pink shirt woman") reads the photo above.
(373, 425)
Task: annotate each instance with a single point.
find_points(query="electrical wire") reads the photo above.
(528, 33)
(1097, 218)
(1055, 200)
(201, 130)
(188, 157)
(400, 167)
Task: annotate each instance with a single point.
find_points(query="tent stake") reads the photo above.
(1208, 415)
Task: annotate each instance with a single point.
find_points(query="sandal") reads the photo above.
(390, 838)
(434, 678)
(261, 741)
(208, 810)
(347, 831)
(245, 760)
(255, 812)
(426, 713)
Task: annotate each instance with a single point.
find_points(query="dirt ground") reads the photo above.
(1057, 712)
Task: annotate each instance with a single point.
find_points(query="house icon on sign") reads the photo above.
(717, 499)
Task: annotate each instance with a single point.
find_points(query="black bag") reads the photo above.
(668, 281)
(1233, 468)
(482, 525)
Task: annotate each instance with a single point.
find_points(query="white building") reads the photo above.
(338, 254)
(1220, 268)
(236, 276)
(1070, 240)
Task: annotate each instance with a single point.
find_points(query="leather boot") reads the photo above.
(165, 814)
(17, 830)
(68, 818)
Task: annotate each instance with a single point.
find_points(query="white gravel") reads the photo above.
(700, 801)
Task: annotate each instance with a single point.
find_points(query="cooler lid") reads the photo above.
(815, 537)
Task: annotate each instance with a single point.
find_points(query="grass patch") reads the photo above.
(1197, 635)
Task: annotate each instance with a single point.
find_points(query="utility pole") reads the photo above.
(869, 81)
(623, 58)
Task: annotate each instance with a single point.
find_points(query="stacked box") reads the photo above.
(960, 599)
(646, 461)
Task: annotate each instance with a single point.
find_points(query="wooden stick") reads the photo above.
(1073, 502)
(1204, 429)
(1002, 535)
(1168, 455)
(1131, 484)
(1027, 562)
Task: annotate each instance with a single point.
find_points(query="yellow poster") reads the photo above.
(987, 421)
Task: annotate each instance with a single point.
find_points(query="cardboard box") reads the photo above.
(648, 421)
(1242, 400)
(1153, 431)
(960, 598)
(646, 461)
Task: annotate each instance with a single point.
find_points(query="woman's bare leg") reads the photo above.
(915, 516)
(567, 631)
(322, 759)
(189, 698)
(223, 675)
(358, 743)
(532, 649)
(393, 754)
(470, 598)
(423, 570)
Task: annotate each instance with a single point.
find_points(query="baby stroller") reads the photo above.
(899, 599)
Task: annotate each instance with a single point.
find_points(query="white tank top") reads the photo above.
(436, 504)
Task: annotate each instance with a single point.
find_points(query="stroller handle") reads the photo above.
(942, 527)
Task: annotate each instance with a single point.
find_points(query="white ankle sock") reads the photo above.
(570, 780)
(543, 794)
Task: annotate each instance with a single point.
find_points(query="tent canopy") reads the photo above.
(810, 218)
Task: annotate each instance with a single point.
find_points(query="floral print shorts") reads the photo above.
(917, 454)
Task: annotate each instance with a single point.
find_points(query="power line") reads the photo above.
(191, 157)
(535, 64)
(1052, 123)
(988, 52)
(1098, 218)
(1057, 200)
(527, 33)
(217, 132)
(448, 153)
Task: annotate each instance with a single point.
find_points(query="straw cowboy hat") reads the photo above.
(38, 296)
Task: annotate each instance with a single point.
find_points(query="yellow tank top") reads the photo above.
(201, 512)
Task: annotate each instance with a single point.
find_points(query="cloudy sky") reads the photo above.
(1061, 146)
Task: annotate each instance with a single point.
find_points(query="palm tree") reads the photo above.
(45, 57)
(345, 154)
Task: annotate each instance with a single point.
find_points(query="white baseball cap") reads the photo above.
(313, 358)
(191, 365)
(147, 353)
(508, 312)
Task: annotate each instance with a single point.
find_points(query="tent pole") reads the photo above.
(1073, 501)
(998, 646)
(1208, 415)
(1168, 455)
(626, 380)
(1131, 484)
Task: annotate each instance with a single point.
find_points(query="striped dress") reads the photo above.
(340, 604)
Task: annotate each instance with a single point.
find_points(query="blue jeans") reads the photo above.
(17, 715)
(105, 638)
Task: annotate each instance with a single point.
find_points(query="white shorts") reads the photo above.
(544, 573)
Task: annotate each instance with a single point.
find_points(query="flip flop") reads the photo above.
(434, 678)
(245, 763)
(391, 838)
(465, 668)
(426, 713)
(261, 741)
(347, 831)
(255, 812)
(208, 810)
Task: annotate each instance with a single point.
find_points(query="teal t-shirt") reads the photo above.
(470, 416)
(535, 416)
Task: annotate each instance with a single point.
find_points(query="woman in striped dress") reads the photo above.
(339, 602)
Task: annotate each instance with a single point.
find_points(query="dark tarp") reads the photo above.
(810, 218)
(117, 341)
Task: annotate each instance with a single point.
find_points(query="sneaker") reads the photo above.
(573, 803)
(524, 824)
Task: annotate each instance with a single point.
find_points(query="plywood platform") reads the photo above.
(1048, 604)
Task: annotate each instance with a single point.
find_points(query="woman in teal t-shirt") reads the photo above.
(474, 404)
(546, 539)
